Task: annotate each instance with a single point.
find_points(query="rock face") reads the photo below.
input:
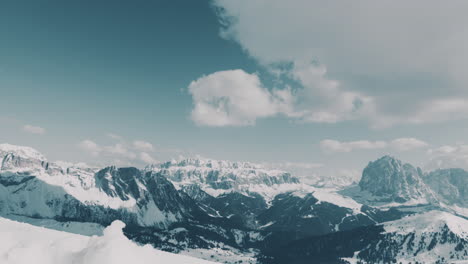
(450, 185)
(217, 177)
(389, 178)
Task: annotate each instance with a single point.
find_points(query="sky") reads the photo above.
(322, 87)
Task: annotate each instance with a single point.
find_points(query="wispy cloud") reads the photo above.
(448, 156)
(147, 158)
(121, 153)
(405, 144)
(143, 145)
(90, 146)
(400, 144)
(34, 129)
(330, 145)
(114, 136)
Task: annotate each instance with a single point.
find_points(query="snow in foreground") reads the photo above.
(22, 243)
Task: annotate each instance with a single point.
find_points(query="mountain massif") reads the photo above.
(238, 212)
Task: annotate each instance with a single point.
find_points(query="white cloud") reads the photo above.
(448, 157)
(329, 145)
(400, 144)
(391, 71)
(120, 149)
(234, 98)
(147, 158)
(116, 150)
(323, 100)
(405, 144)
(237, 98)
(34, 129)
(90, 146)
(122, 153)
(114, 136)
(143, 145)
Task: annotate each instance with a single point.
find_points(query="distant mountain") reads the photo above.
(388, 179)
(37, 188)
(227, 211)
(219, 177)
(450, 185)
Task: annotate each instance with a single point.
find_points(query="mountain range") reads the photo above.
(239, 212)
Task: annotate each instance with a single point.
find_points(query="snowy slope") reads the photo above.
(22, 243)
(432, 237)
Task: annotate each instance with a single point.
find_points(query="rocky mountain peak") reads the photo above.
(390, 177)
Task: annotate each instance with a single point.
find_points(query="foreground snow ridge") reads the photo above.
(22, 243)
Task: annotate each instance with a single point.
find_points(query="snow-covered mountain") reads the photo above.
(37, 188)
(225, 211)
(390, 180)
(432, 237)
(22, 243)
(220, 177)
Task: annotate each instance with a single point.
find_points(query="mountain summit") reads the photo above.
(394, 180)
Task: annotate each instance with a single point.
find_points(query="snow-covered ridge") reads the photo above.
(239, 167)
(429, 222)
(24, 152)
(76, 181)
(220, 177)
(36, 188)
(431, 237)
(24, 244)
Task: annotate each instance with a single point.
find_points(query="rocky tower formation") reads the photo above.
(390, 178)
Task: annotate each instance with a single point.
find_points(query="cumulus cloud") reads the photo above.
(234, 98)
(34, 129)
(90, 146)
(385, 54)
(323, 100)
(329, 145)
(448, 156)
(143, 145)
(147, 158)
(237, 98)
(116, 150)
(120, 149)
(400, 144)
(405, 144)
(122, 153)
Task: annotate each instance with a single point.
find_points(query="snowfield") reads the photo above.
(22, 243)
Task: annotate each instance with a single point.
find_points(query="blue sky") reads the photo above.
(298, 82)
